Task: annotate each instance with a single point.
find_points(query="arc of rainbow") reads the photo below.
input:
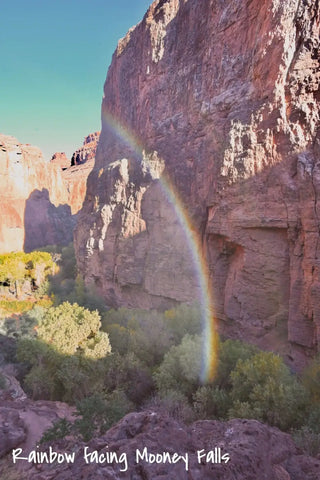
(209, 358)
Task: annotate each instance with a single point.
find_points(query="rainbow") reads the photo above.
(210, 337)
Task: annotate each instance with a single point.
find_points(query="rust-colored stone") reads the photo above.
(224, 98)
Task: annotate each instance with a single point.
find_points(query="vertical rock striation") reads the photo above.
(222, 98)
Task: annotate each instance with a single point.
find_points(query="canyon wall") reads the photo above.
(75, 176)
(34, 210)
(215, 103)
(39, 200)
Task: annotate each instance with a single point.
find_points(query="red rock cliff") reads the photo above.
(33, 207)
(76, 175)
(223, 98)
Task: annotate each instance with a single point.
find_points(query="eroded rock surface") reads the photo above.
(255, 451)
(23, 421)
(224, 97)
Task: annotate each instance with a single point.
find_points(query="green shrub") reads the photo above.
(181, 367)
(311, 379)
(211, 402)
(308, 441)
(230, 351)
(182, 320)
(96, 414)
(173, 403)
(73, 329)
(19, 266)
(66, 359)
(129, 374)
(144, 333)
(59, 429)
(263, 388)
(16, 306)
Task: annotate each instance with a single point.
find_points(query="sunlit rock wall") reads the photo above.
(224, 97)
(33, 199)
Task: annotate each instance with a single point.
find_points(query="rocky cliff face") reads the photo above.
(223, 99)
(39, 200)
(75, 176)
(33, 207)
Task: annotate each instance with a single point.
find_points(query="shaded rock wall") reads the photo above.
(223, 99)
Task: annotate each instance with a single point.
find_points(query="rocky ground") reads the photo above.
(233, 450)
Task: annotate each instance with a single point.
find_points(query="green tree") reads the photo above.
(67, 357)
(230, 351)
(97, 413)
(211, 402)
(72, 329)
(181, 367)
(182, 320)
(311, 379)
(263, 388)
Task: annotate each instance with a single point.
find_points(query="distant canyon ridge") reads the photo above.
(209, 148)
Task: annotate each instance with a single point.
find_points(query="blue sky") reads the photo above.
(54, 59)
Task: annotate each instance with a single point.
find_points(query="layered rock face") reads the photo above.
(222, 99)
(33, 207)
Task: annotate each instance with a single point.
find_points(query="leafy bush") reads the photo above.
(173, 403)
(313, 419)
(99, 412)
(230, 351)
(60, 429)
(16, 306)
(311, 379)
(181, 367)
(182, 320)
(142, 332)
(19, 265)
(308, 441)
(211, 402)
(73, 329)
(22, 325)
(67, 356)
(263, 388)
(129, 374)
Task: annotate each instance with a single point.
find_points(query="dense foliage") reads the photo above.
(65, 354)
(156, 361)
(19, 266)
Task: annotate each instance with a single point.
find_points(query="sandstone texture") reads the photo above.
(215, 103)
(61, 160)
(75, 171)
(87, 151)
(76, 175)
(256, 451)
(33, 207)
(39, 200)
